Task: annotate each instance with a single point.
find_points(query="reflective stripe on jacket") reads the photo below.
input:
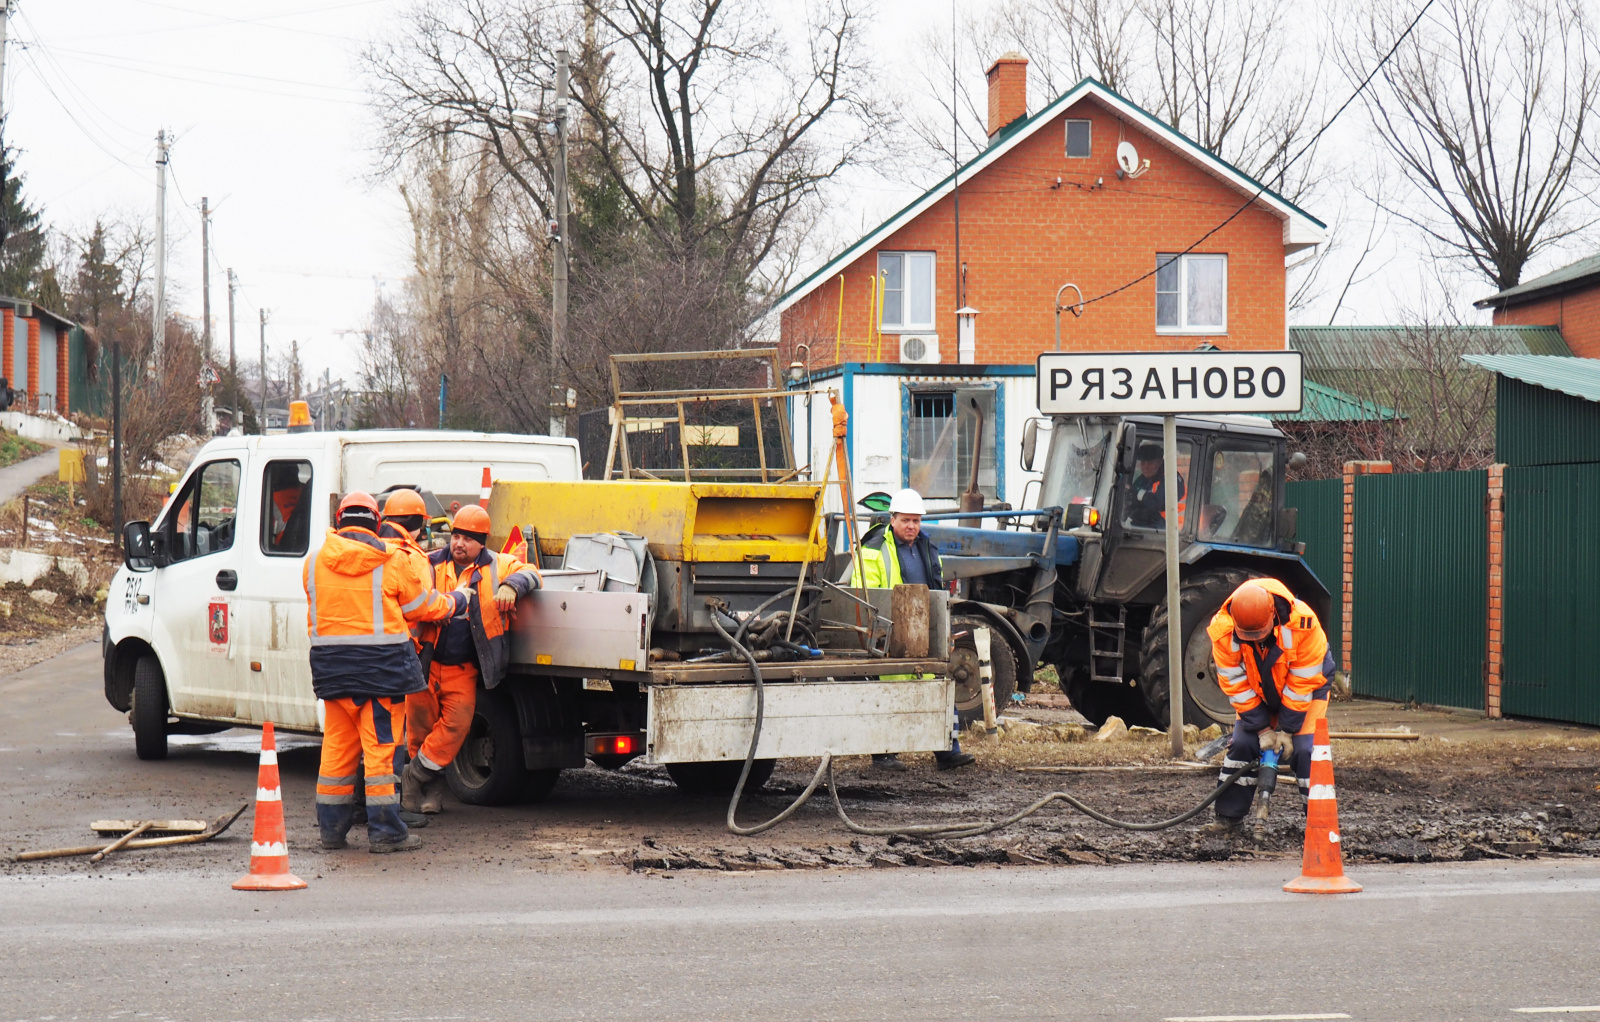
(360, 598)
(880, 561)
(1297, 662)
(489, 627)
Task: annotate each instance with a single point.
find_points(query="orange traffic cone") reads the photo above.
(269, 845)
(483, 494)
(1322, 869)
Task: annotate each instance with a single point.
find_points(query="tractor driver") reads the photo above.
(1146, 500)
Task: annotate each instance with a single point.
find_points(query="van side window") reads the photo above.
(286, 508)
(202, 521)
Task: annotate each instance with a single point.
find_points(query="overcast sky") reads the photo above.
(271, 122)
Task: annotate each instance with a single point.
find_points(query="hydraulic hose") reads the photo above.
(969, 828)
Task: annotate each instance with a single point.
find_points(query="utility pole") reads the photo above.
(208, 402)
(233, 356)
(5, 9)
(158, 319)
(327, 394)
(261, 411)
(558, 286)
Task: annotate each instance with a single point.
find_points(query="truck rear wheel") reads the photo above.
(149, 713)
(964, 659)
(1203, 700)
(719, 778)
(489, 770)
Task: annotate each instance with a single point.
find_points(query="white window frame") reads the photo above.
(1184, 326)
(1066, 135)
(910, 326)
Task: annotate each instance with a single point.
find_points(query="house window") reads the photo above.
(1077, 139)
(942, 434)
(907, 280)
(1192, 293)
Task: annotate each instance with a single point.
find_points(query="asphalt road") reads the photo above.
(1132, 942)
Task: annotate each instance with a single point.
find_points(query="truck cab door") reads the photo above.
(1134, 549)
(286, 518)
(192, 593)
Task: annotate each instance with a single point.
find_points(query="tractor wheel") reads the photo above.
(1203, 700)
(1099, 700)
(964, 669)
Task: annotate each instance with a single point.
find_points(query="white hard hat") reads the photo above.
(907, 502)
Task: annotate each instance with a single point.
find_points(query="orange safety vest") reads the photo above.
(1297, 659)
(489, 626)
(398, 539)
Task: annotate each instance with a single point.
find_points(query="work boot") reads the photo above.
(334, 842)
(413, 780)
(413, 819)
(433, 793)
(409, 843)
(1223, 826)
(951, 760)
(333, 822)
(888, 761)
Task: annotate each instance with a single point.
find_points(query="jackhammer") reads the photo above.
(1266, 784)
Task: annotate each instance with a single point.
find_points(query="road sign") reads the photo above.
(1169, 383)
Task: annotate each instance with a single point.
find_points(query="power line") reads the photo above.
(119, 64)
(90, 135)
(1287, 164)
(225, 22)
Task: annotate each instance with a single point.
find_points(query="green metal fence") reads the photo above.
(1421, 587)
(1321, 528)
(1551, 590)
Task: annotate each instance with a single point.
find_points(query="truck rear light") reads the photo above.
(613, 745)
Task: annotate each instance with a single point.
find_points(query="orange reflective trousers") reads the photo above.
(368, 734)
(439, 718)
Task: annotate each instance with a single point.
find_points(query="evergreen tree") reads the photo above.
(97, 286)
(22, 252)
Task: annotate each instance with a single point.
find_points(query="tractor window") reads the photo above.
(1239, 498)
(1143, 501)
(1077, 455)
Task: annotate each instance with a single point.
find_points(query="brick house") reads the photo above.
(40, 354)
(1045, 204)
(1568, 299)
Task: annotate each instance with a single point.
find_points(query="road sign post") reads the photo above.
(1170, 384)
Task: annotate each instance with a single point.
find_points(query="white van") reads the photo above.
(206, 621)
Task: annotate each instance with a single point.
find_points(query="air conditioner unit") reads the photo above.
(919, 349)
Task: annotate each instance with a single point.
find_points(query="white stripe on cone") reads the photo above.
(1321, 791)
(269, 757)
(1321, 752)
(275, 848)
(268, 795)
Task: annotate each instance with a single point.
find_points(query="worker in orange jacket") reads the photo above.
(1273, 664)
(404, 518)
(474, 644)
(361, 596)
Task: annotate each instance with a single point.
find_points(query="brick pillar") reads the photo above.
(1351, 470)
(33, 364)
(1497, 533)
(63, 369)
(8, 347)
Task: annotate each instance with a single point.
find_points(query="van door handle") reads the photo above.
(228, 579)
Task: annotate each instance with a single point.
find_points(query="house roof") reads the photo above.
(1579, 377)
(1569, 278)
(1346, 348)
(1301, 229)
(1325, 404)
(57, 321)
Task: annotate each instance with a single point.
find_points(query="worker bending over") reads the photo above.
(360, 597)
(471, 645)
(1273, 664)
(902, 555)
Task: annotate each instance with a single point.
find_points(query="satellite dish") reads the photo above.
(1128, 158)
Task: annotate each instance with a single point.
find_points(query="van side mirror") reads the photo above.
(1030, 443)
(138, 552)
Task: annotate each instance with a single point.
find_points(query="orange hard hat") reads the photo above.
(471, 518)
(404, 502)
(357, 498)
(1252, 610)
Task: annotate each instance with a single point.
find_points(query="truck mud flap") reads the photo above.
(549, 715)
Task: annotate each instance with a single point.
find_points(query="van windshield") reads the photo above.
(1077, 455)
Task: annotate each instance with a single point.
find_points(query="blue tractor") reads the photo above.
(1080, 583)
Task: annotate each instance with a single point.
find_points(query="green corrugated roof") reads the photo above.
(1563, 279)
(1579, 377)
(1325, 404)
(1345, 348)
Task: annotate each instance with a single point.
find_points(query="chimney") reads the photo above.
(1008, 91)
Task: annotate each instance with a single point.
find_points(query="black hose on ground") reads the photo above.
(970, 828)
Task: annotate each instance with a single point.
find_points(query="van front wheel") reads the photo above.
(149, 713)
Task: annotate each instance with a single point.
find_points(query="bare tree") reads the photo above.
(1485, 108)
